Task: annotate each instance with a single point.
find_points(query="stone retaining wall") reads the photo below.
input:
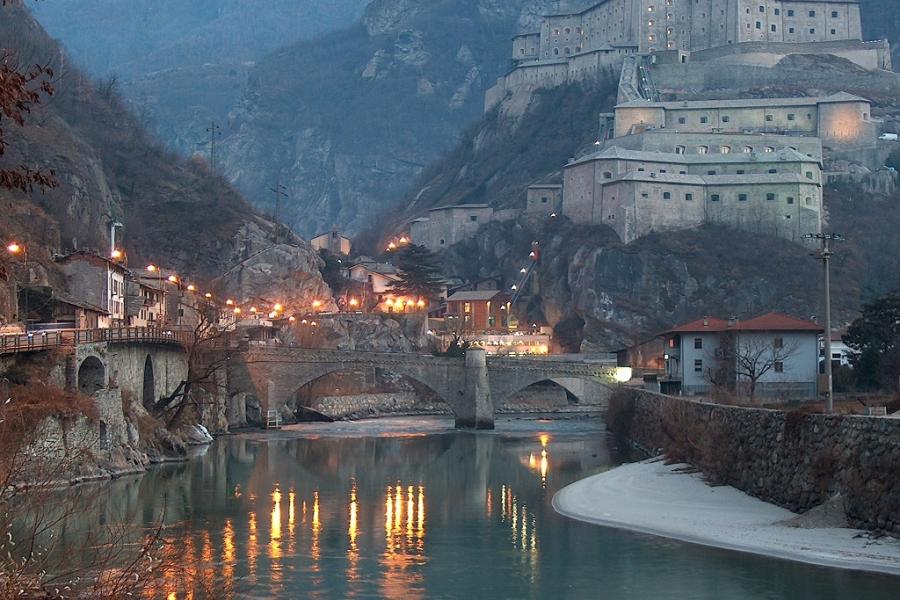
(366, 405)
(792, 459)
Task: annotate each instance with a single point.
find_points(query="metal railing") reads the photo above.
(49, 340)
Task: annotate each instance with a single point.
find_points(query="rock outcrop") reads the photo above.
(363, 332)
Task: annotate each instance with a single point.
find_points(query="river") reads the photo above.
(409, 508)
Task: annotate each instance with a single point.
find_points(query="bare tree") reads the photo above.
(745, 359)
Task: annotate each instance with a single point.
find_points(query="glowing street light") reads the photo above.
(278, 307)
(404, 241)
(292, 318)
(116, 255)
(316, 304)
(229, 302)
(192, 288)
(207, 295)
(173, 278)
(392, 246)
(273, 314)
(237, 310)
(354, 302)
(420, 304)
(523, 270)
(514, 287)
(14, 248)
(152, 268)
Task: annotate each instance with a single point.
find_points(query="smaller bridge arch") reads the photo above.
(91, 375)
(148, 392)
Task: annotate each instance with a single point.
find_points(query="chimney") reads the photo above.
(732, 321)
(706, 321)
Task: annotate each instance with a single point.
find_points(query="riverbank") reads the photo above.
(658, 499)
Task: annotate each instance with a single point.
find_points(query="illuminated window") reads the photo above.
(702, 149)
(725, 150)
(467, 307)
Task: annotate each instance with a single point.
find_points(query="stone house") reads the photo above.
(781, 350)
(637, 192)
(145, 304)
(544, 198)
(332, 241)
(840, 120)
(97, 281)
(448, 225)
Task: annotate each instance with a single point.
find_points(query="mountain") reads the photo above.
(175, 213)
(183, 64)
(880, 19)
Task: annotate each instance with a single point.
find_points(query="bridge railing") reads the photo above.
(70, 338)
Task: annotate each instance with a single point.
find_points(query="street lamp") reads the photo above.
(825, 256)
(16, 249)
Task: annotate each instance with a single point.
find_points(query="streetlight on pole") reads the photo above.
(825, 256)
(16, 249)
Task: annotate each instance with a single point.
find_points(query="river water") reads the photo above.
(408, 508)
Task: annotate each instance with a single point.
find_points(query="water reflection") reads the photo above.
(452, 515)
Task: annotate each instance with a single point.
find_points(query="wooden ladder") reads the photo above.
(273, 419)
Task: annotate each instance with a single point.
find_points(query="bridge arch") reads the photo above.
(586, 389)
(148, 392)
(91, 375)
(450, 398)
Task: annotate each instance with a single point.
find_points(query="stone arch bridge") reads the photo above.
(471, 386)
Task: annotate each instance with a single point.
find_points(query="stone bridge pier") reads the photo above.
(270, 377)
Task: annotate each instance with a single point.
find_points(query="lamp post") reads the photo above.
(825, 256)
(17, 249)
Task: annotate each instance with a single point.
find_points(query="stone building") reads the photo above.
(447, 225)
(638, 192)
(840, 120)
(676, 142)
(332, 241)
(544, 198)
(99, 282)
(651, 25)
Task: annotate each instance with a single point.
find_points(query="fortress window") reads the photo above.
(682, 120)
(808, 200)
(689, 197)
(790, 30)
(833, 31)
(777, 11)
(556, 52)
(762, 9)
(774, 28)
(607, 175)
(790, 200)
(704, 119)
(791, 116)
(809, 175)
(742, 197)
(710, 172)
(748, 149)
(726, 119)
(769, 118)
(740, 171)
(773, 171)
(702, 149)
(812, 30)
(714, 198)
(770, 197)
(759, 25)
(667, 195)
(679, 149)
(790, 13)
(769, 149)
(725, 149)
(834, 14)
(812, 13)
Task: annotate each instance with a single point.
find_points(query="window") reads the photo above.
(809, 175)
(689, 197)
(645, 195)
(682, 120)
(772, 171)
(442, 242)
(698, 365)
(679, 149)
(545, 199)
(791, 30)
(568, 51)
(812, 13)
(748, 149)
(556, 32)
(833, 31)
(812, 30)
(834, 14)
(702, 149)
(774, 28)
(467, 307)
(777, 11)
(790, 13)
(740, 171)
(663, 171)
(682, 172)
(725, 149)
(698, 343)
(770, 197)
(714, 198)
(770, 118)
(667, 195)
(607, 175)
(791, 116)
(790, 200)
(704, 119)
(742, 197)
(758, 25)
(779, 366)
(726, 119)
(769, 149)
(808, 200)
(556, 52)
(473, 218)
(762, 9)
(641, 169)
(568, 31)
(710, 172)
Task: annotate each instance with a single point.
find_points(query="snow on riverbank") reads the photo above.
(652, 497)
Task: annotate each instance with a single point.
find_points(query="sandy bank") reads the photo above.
(651, 497)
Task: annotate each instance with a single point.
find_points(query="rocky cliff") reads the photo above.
(174, 212)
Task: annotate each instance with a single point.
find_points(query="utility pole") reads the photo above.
(213, 131)
(280, 192)
(825, 256)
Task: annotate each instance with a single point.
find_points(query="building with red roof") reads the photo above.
(769, 356)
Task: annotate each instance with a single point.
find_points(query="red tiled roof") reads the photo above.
(772, 321)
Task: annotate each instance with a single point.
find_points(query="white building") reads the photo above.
(781, 351)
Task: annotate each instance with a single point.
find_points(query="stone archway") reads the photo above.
(148, 395)
(91, 376)
(347, 391)
(581, 390)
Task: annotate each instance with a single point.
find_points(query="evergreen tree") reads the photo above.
(419, 273)
(875, 336)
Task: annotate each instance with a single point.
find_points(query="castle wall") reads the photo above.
(789, 21)
(847, 124)
(666, 141)
(527, 46)
(447, 226)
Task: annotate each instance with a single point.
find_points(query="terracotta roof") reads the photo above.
(772, 321)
